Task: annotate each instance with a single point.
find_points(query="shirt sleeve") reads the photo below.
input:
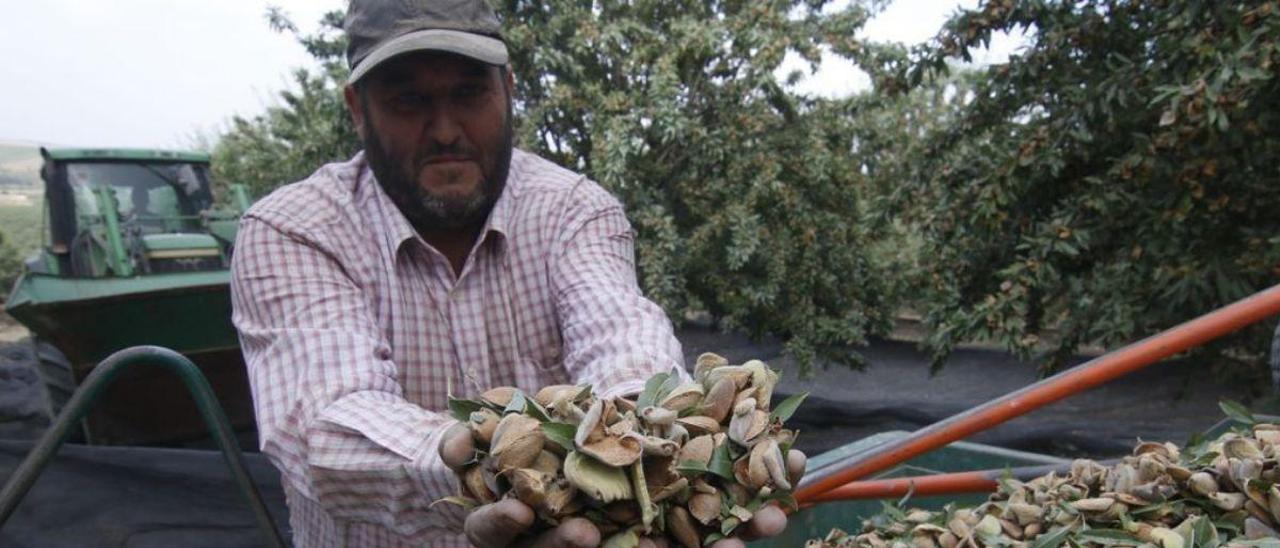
(331, 413)
(614, 337)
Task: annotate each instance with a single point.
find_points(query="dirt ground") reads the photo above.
(10, 330)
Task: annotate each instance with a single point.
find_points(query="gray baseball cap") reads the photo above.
(378, 30)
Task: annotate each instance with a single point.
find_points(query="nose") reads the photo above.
(443, 127)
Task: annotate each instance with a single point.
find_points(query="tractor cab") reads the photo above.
(136, 252)
(122, 213)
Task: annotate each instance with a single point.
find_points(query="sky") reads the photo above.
(162, 73)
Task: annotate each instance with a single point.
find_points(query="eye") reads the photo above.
(469, 91)
(408, 100)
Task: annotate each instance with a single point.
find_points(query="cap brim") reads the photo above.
(481, 48)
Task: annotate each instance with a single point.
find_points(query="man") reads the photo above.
(439, 257)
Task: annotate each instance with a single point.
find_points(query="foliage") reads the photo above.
(310, 127)
(1117, 177)
(23, 224)
(20, 233)
(10, 265)
(745, 196)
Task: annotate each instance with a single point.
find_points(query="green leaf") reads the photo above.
(629, 538)
(1147, 509)
(712, 538)
(893, 511)
(1194, 441)
(721, 463)
(1107, 537)
(560, 433)
(517, 403)
(671, 383)
(1205, 536)
(728, 525)
(462, 409)
(692, 467)
(1205, 459)
(1007, 483)
(466, 503)
(788, 407)
(1052, 539)
(1228, 527)
(1260, 543)
(651, 388)
(1237, 412)
(786, 500)
(997, 540)
(786, 447)
(1126, 522)
(533, 409)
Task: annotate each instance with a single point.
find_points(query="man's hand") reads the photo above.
(770, 520)
(500, 524)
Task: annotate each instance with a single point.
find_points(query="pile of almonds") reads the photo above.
(689, 460)
(1221, 492)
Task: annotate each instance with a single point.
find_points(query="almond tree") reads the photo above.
(1119, 175)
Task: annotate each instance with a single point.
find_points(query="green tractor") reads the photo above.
(136, 252)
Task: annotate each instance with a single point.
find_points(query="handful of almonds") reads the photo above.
(692, 461)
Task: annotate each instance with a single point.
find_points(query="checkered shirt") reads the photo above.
(353, 330)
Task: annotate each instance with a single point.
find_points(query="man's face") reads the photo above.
(437, 135)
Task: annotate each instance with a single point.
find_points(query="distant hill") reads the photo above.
(11, 151)
(19, 164)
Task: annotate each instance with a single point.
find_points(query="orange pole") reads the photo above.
(977, 481)
(1072, 381)
(921, 486)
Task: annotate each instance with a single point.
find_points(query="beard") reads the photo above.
(398, 177)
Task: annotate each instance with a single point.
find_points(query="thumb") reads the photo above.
(497, 525)
(456, 446)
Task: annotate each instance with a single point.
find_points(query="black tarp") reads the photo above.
(104, 496)
(137, 497)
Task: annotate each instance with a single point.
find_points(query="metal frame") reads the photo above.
(83, 401)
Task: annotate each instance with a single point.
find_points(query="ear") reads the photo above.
(352, 98)
(510, 77)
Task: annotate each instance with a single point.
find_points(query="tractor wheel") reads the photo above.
(35, 383)
(24, 411)
(55, 371)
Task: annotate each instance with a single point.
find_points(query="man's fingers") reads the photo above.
(573, 532)
(767, 522)
(456, 447)
(497, 525)
(653, 542)
(796, 461)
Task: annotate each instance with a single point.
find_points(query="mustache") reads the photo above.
(432, 151)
